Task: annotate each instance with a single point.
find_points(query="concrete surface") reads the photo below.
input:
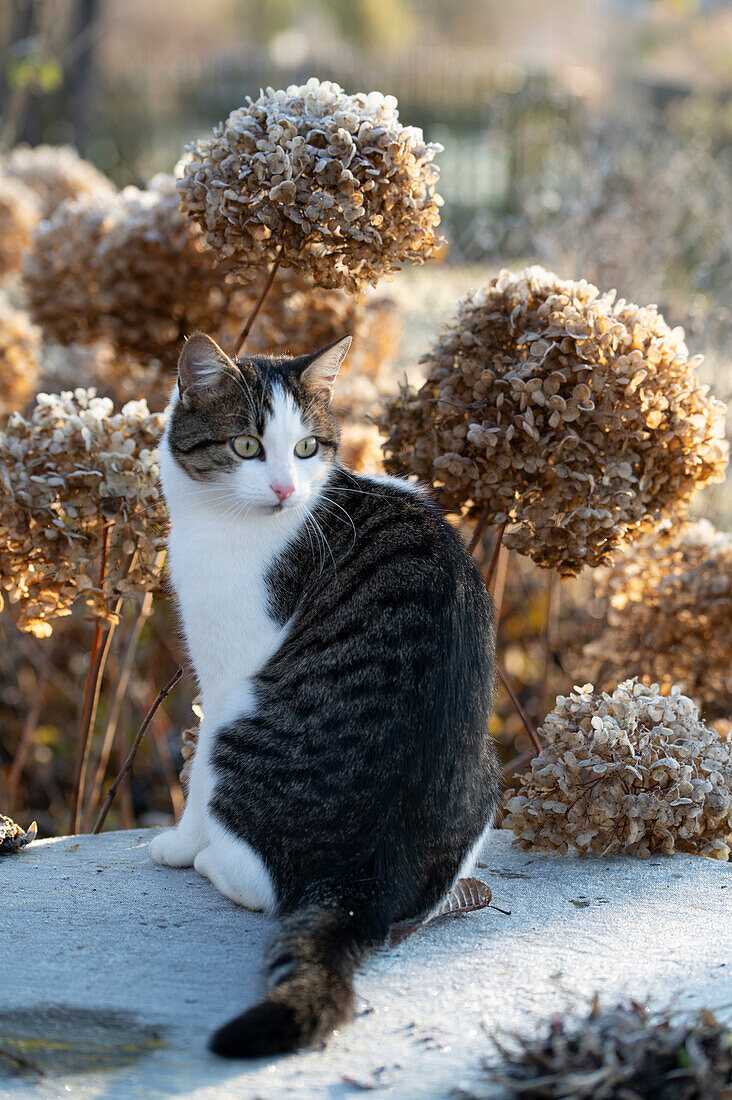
(113, 971)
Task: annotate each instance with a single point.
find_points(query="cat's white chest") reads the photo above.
(219, 571)
(224, 601)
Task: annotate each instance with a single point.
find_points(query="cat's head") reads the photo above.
(259, 430)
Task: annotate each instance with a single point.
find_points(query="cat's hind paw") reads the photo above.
(171, 849)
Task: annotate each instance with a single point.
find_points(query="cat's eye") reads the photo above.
(306, 448)
(246, 446)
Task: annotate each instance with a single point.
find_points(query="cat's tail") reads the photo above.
(309, 970)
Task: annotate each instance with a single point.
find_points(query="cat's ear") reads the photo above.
(201, 366)
(321, 372)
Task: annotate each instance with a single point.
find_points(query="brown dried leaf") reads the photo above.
(466, 896)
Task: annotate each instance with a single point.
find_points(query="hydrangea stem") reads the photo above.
(97, 657)
(115, 707)
(257, 305)
(549, 639)
(527, 723)
(497, 571)
(124, 770)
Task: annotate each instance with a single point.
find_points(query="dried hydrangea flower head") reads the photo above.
(576, 418)
(20, 348)
(72, 470)
(20, 213)
(670, 615)
(634, 771)
(127, 267)
(55, 173)
(331, 184)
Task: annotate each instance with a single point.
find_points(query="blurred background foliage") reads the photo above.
(593, 136)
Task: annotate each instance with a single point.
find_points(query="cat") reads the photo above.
(342, 638)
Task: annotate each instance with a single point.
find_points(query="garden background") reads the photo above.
(592, 136)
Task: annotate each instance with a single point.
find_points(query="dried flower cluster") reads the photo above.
(13, 837)
(20, 212)
(624, 1052)
(55, 173)
(331, 184)
(73, 470)
(635, 771)
(127, 267)
(20, 347)
(577, 418)
(670, 615)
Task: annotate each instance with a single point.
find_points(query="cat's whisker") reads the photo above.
(327, 544)
(346, 514)
(318, 541)
(310, 541)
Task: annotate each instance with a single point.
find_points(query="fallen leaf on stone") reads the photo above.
(466, 896)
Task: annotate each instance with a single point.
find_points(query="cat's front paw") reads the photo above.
(174, 849)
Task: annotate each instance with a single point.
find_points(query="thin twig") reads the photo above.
(115, 707)
(257, 305)
(494, 556)
(479, 530)
(162, 747)
(527, 723)
(124, 770)
(91, 689)
(499, 582)
(552, 618)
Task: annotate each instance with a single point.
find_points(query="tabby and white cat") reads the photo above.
(343, 642)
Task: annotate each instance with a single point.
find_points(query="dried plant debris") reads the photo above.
(623, 1053)
(331, 184)
(20, 349)
(467, 896)
(576, 418)
(13, 838)
(129, 268)
(20, 213)
(635, 771)
(670, 615)
(75, 472)
(54, 173)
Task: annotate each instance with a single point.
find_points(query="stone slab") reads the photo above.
(114, 971)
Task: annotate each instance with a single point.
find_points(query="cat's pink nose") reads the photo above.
(282, 489)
